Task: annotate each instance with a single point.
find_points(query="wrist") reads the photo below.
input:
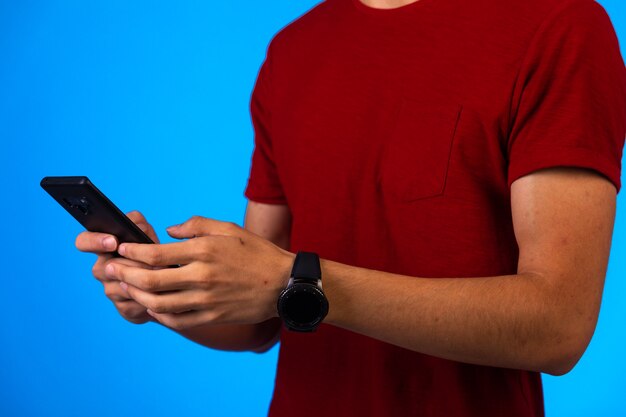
(336, 288)
(281, 275)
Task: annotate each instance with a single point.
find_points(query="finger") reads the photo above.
(169, 302)
(123, 262)
(152, 280)
(147, 229)
(143, 224)
(128, 262)
(186, 320)
(132, 311)
(98, 268)
(136, 217)
(115, 292)
(202, 226)
(96, 242)
(177, 253)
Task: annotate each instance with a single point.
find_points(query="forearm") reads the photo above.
(246, 337)
(510, 321)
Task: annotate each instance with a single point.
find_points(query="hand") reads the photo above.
(104, 245)
(228, 275)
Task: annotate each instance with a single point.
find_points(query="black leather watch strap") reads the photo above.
(306, 265)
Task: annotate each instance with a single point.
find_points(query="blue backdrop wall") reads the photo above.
(150, 99)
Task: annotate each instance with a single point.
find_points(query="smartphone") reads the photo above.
(92, 208)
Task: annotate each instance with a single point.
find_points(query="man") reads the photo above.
(470, 150)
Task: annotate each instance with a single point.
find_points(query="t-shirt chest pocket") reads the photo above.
(416, 154)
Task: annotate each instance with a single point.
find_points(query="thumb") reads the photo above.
(201, 226)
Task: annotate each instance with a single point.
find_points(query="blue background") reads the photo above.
(150, 99)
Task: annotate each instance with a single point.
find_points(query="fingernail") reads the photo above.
(124, 286)
(109, 243)
(109, 270)
(122, 250)
(175, 226)
(150, 312)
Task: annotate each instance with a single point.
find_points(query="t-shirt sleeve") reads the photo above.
(569, 103)
(264, 184)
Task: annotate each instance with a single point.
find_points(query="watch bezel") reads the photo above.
(296, 287)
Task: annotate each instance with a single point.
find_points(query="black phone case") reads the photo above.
(93, 209)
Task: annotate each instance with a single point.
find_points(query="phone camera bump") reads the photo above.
(81, 204)
(84, 205)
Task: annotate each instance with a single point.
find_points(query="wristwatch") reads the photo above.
(302, 305)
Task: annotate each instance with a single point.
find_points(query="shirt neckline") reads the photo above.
(362, 7)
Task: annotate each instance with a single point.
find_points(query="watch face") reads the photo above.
(303, 306)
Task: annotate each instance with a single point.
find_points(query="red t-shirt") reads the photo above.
(394, 136)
